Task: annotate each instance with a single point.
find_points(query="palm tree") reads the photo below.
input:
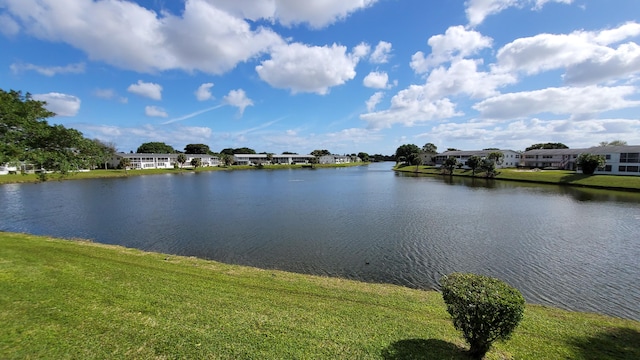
(181, 159)
(195, 162)
(125, 163)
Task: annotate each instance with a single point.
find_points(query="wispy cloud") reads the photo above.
(78, 68)
(193, 114)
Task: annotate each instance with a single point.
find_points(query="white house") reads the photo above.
(619, 160)
(287, 159)
(511, 158)
(161, 161)
(336, 159)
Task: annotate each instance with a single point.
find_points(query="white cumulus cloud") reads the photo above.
(149, 90)
(374, 100)
(204, 92)
(381, 53)
(575, 101)
(456, 42)
(61, 104)
(587, 56)
(238, 98)
(313, 69)
(376, 80)
(155, 111)
(478, 10)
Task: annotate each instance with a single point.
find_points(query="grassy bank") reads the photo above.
(71, 299)
(96, 174)
(561, 177)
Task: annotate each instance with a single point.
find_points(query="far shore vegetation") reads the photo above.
(113, 173)
(560, 177)
(63, 299)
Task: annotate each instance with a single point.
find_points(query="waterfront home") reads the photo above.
(511, 158)
(287, 159)
(161, 161)
(336, 159)
(619, 160)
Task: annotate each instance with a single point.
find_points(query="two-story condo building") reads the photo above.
(255, 159)
(620, 160)
(511, 158)
(161, 161)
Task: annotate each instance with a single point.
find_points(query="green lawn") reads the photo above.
(631, 183)
(63, 299)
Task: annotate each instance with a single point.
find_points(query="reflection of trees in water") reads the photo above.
(587, 194)
(578, 193)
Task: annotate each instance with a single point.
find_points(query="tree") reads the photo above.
(155, 148)
(227, 151)
(547, 146)
(489, 167)
(125, 163)
(243, 150)
(363, 156)
(27, 137)
(403, 152)
(226, 159)
(196, 162)
(452, 149)
(474, 162)
(197, 149)
(449, 164)
(430, 148)
(613, 143)
(497, 157)
(318, 153)
(590, 162)
(105, 151)
(485, 309)
(414, 159)
(181, 159)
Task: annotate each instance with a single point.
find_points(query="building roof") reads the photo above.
(596, 150)
(472, 152)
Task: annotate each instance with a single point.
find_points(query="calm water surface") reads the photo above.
(571, 248)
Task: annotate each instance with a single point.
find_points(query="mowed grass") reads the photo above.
(561, 177)
(62, 299)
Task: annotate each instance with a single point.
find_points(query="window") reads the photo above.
(629, 157)
(622, 168)
(632, 168)
(607, 157)
(607, 168)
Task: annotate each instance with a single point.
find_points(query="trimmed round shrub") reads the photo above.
(485, 309)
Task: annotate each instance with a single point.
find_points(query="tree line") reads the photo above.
(411, 154)
(27, 137)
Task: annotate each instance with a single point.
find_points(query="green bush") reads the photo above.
(485, 309)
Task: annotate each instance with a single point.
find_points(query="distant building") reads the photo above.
(620, 160)
(511, 158)
(336, 159)
(161, 161)
(287, 159)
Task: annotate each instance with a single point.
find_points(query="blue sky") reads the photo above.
(342, 75)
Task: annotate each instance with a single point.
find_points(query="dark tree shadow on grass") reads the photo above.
(421, 349)
(618, 344)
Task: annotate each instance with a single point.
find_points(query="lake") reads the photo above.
(573, 248)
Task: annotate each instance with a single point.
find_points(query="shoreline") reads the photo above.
(548, 177)
(118, 173)
(68, 297)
